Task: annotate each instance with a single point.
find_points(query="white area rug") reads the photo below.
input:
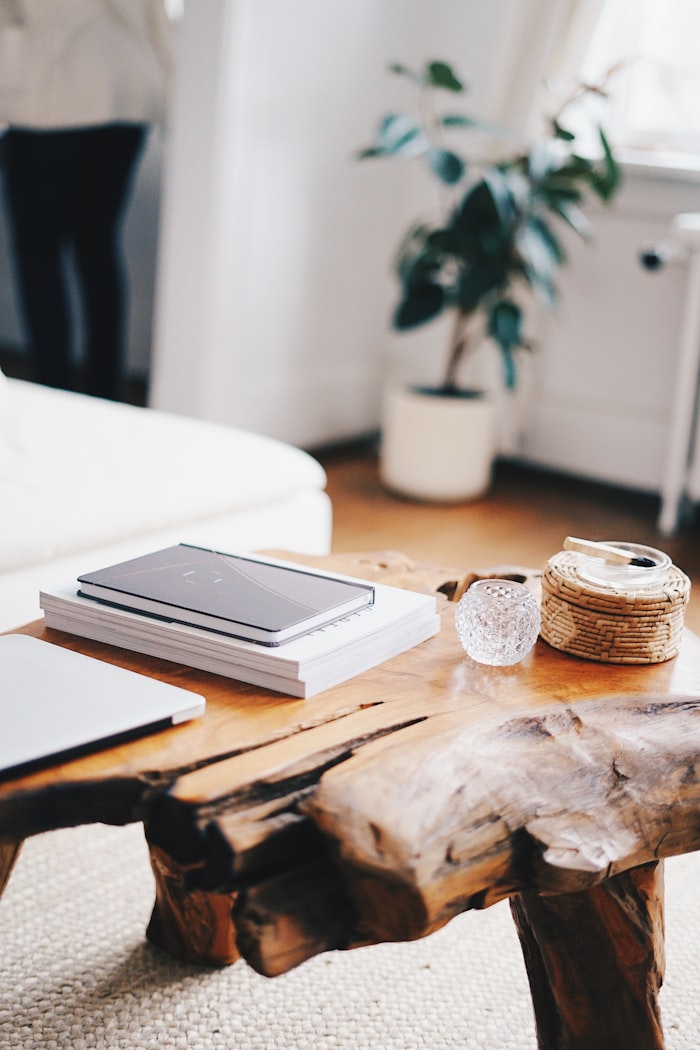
(77, 972)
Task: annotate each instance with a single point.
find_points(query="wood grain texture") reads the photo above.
(558, 800)
(189, 923)
(595, 962)
(9, 852)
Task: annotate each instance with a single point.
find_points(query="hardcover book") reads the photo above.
(251, 598)
(397, 620)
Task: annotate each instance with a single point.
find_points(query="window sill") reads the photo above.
(685, 167)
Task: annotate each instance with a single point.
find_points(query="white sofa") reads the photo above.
(85, 483)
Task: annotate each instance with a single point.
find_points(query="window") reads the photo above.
(655, 99)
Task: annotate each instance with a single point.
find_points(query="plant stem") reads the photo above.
(458, 350)
(427, 114)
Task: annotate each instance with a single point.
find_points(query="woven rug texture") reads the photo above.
(77, 972)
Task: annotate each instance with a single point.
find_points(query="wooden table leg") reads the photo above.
(595, 962)
(9, 852)
(190, 924)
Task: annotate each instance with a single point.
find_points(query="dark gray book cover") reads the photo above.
(236, 594)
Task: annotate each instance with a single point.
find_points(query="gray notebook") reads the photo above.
(58, 703)
(257, 599)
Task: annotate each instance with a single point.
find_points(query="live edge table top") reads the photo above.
(383, 807)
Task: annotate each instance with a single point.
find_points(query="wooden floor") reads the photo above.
(522, 521)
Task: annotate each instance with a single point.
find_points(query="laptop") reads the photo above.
(55, 703)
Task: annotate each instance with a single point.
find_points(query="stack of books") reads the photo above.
(267, 622)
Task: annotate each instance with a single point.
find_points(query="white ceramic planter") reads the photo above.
(437, 448)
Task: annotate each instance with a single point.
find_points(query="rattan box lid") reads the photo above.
(616, 624)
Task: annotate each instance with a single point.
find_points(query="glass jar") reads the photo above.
(497, 621)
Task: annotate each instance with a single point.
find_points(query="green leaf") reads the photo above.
(397, 132)
(572, 215)
(443, 242)
(541, 283)
(536, 254)
(550, 241)
(607, 185)
(476, 214)
(510, 375)
(542, 159)
(441, 75)
(458, 120)
(555, 189)
(404, 71)
(577, 169)
(448, 166)
(505, 323)
(562, 133)
(461, 120)
(419, 266)
(482, 278)
(416, 257)
(505, 326)
(501, 187)
(370, 151)
(421, 302)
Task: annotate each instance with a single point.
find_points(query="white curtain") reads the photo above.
(557, 33)
(532, 82)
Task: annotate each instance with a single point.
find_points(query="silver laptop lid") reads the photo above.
(56, 702)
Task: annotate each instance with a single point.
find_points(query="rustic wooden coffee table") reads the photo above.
(380, 809)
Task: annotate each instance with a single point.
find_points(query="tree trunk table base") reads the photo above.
(9, 852)
(379, 810)
(190, 924)
(595, 962)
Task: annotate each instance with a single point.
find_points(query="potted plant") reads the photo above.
(494, 239)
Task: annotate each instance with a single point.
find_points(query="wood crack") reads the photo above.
(179, 822)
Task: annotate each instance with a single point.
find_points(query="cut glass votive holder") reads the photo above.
(497, 622)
